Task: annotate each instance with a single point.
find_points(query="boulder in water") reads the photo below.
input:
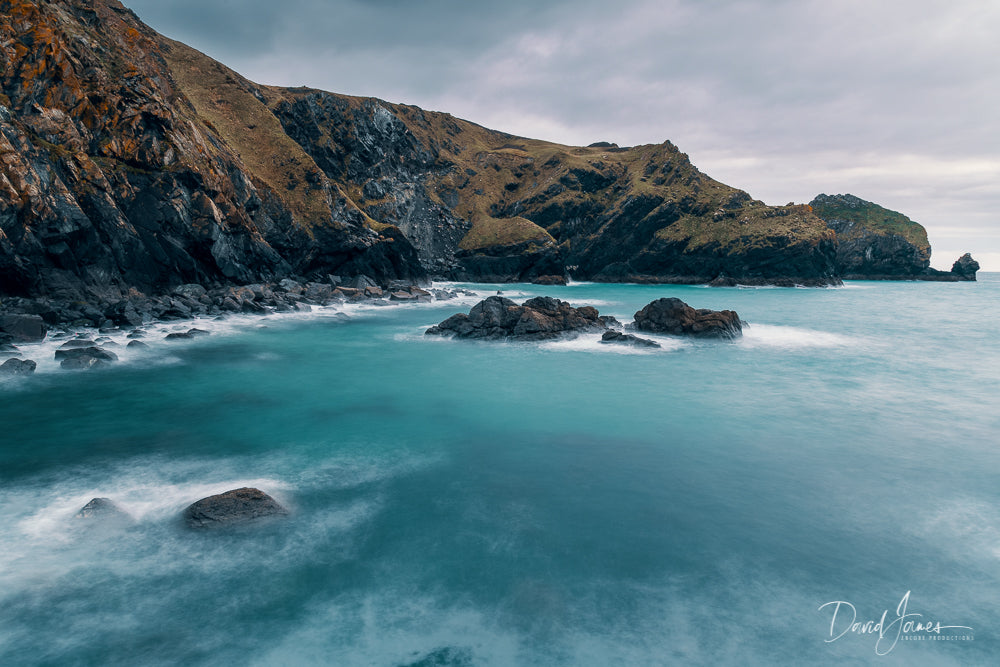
(622, 338)
(17, 367)
(232, 507)
(541, 318)
(673, 316)
(103, 508)
(23, 328)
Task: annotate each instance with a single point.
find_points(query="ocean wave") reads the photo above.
(791, 338)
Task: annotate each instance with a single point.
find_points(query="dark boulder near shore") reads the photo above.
(235, 507)
(673, 316)
(17, 367)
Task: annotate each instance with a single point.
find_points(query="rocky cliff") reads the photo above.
(874, 243)
(128, 160)
(119, 168)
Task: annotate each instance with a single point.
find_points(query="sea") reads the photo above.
(823, 491)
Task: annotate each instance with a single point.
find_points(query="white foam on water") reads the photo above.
(790, 338)
(592, 343)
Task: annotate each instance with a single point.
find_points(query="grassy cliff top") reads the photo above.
(868, 217)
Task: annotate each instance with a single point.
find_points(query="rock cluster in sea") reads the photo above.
(236, 507)
(545, 318)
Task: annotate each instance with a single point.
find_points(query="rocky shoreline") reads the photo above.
(133, 314)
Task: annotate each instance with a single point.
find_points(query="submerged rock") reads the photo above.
(17, 367)
(673, 316)
(627, 339)
(103, 508)
(541, 318)
(93, 351)
(232, 507)
(82, 363)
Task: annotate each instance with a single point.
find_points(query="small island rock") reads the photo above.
(232, 507)
(673, 316)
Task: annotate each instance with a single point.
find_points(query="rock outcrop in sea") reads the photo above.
(673, 316)
(545, 318)
(235, 507)
(874, 243)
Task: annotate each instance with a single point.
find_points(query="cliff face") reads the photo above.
(871, 240)
(115, 174)
(480, 204)
(130, 160)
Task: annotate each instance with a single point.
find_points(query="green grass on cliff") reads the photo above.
(488, 231)
(871, 217)
(248, 126)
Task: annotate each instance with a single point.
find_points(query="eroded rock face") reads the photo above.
(235, 507)
(673, 316)
(541, 318)
(965, 267)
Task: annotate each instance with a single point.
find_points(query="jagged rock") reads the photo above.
(673, 316)
(402, 296)
(965, 267)
(190, 291)
(77, 342)
(232, 507)
(93, 351)
(622, 338)
(104, 509)
(23, 328)
(541, 318)
(17, 367)
(550, 280)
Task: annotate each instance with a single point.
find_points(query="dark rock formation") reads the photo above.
(965, 267)
(23, 328)
(541, 318)
(78, 352)
(82, 363)
(872, 241)
(673, 316)
(231, 508)
(550, 280)
(17, 367)
(104, 509)
(622, 338)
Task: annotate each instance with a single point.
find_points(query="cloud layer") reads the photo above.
(893, 101)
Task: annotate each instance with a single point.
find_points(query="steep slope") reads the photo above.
(119, 169)
(128, 160)
(481, 204)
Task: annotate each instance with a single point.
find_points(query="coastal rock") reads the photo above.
(17, 367)
(550, 280)
(232, 507)
(104, 509)
(93, 351)
(622, 338)
(137, 345)
(82, 363)
(965, 267)
(23, 328)
(541, 318)
(673, 316)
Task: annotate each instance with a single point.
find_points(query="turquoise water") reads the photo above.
(468, 503)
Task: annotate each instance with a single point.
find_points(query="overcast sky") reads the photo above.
(895, 101)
